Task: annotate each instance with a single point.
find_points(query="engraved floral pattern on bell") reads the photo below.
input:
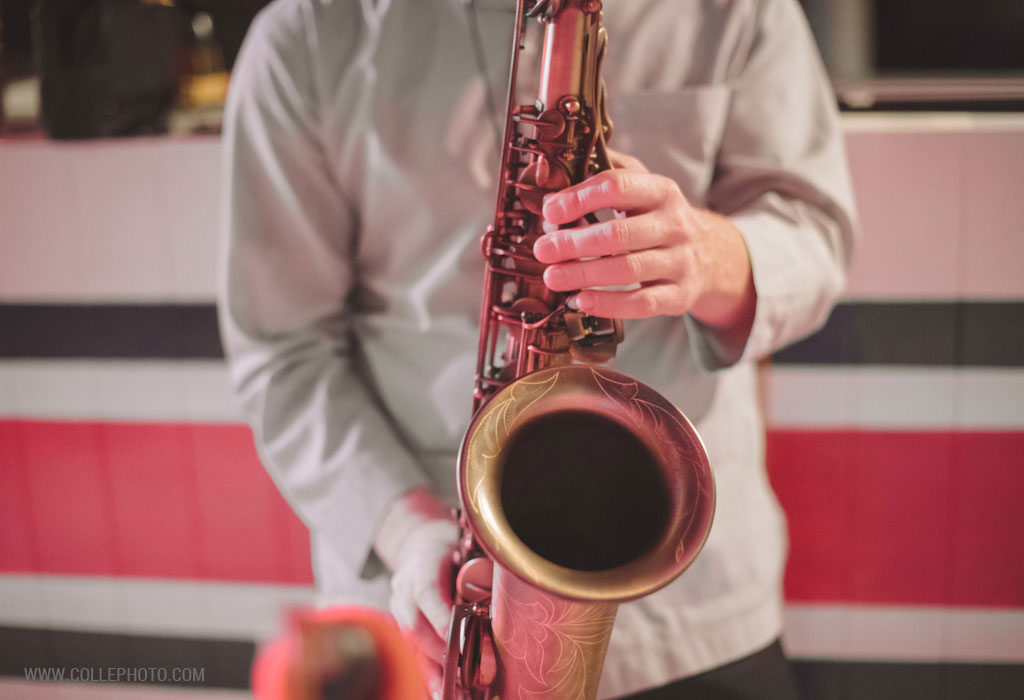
(555, 646)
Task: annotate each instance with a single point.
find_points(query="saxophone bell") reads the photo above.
(586, 488)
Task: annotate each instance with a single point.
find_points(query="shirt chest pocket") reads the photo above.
(676, 134)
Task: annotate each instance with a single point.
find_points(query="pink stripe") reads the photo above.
(931, 518)
(142, 499)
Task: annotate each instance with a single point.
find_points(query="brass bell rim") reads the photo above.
(579, 387)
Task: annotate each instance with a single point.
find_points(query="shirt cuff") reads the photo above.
(796, 282)
(352, 519)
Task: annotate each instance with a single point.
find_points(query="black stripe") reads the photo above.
(835, 680)
(982, 334)
(224, 664)
(112, 331)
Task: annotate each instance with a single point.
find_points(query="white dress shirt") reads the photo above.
(361, 159)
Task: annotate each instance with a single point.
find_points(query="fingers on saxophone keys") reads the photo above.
(647, 301)
(642, 266)
(624, 190)
(607, 238)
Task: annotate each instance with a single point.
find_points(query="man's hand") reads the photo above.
(679, 259)
(416, 541)
(418, 601)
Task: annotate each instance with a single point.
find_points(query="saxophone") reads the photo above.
(579, 487)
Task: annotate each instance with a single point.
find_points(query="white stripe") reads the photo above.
(188, 609)
(882, 398)
(137, 219)
(930, 122)
(110, 220)
(131, 390)
(939, 210)
(894, 633)
(895, 398)
(254, 612)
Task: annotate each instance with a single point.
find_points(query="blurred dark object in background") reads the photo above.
(15, 45)
(19, 106)
(959, 37)
(231, 20)
(922, 55)
(95, 68)
(203, 86)
(107, 67)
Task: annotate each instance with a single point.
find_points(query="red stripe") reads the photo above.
(934, 518)
(930, 518)
(151, 500)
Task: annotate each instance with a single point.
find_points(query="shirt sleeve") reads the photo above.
(782, 178)
(285, 278)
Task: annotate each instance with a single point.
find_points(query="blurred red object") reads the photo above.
(344, 652)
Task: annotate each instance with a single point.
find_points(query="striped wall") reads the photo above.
(140, 529)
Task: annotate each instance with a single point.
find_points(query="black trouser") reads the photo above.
(765, 675)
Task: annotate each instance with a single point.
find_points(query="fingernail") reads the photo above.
(572, 303)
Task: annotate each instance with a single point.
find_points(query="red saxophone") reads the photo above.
(579, 487)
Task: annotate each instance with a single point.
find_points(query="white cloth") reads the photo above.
(360, 175)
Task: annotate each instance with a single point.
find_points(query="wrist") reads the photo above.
(728, 300)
